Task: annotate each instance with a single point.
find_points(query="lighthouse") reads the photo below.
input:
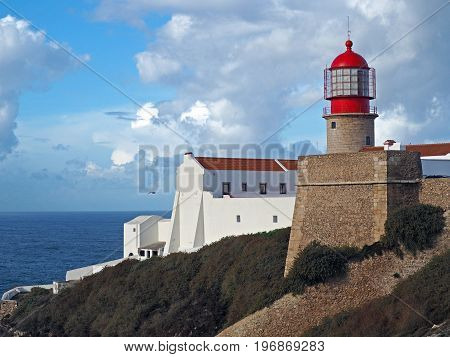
(349, 85)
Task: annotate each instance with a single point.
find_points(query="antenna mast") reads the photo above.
(348, 27)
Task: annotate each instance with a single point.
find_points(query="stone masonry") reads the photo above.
(350, 132)
(345, 198)
(436, 191)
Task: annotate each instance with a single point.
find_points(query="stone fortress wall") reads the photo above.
(436, 191)
(345, 198)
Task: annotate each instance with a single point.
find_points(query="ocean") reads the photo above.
(38, 248)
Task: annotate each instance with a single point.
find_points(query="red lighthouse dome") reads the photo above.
(349, 84)
(349, 58)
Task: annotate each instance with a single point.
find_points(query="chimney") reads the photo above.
(390, 144)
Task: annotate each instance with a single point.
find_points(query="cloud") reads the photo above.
(8, 112)
(394, 124)
(61, 147)
(121, 156)
(265, 60)
(27, 62)
(145, 115)
(178, 27)
(198, 114)
(153, 66)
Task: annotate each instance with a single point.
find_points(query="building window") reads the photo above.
(226, 188)
(154, 253)
(244, 186)
(238, 219)
(367, 140)
(134, 229)
(148, 254)
(263, 188)
(142, 253)
(275, 219)
(282, 188)
(333, 125)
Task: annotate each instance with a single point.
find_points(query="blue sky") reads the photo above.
(216, 72)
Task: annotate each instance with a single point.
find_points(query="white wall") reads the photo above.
(148, 231)
(436, 167)
(140, 232)
(163, 232)
(77, 274)
(213, 181)
(256, 215)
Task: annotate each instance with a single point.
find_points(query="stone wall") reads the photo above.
(436, 191)
(344, 199)
(350, 132)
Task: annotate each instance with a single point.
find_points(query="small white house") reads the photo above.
(215, 198)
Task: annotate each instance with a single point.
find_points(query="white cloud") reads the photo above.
(92, 169)
(265, 61)
(394, 124)
(153, 66)
(144, 116)
(198, 114)
(178, 27)
(27, 62)
(122, 156)
(384, 9)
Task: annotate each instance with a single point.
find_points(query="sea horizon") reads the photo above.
(38, 247)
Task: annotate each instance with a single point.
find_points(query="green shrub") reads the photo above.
(317, 263)
(415, 301)
(414, 227)
(195, 294)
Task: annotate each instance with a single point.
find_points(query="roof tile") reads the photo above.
(242, 164)
(424, 149)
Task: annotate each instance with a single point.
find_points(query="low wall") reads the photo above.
(77, 274)
(23, 289)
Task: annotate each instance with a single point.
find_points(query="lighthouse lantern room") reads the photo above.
(349, 84)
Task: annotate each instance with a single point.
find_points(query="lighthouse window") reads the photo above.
(238, 219)
(244, 186)
(282, 188)
(333, 125)
(350, 81)
(367, 140)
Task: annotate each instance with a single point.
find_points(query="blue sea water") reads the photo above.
(38, 248)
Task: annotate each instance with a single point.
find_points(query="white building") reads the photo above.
(215, 198)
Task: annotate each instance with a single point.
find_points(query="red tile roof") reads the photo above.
(223, 163)
(289, 164)
(424, 149)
